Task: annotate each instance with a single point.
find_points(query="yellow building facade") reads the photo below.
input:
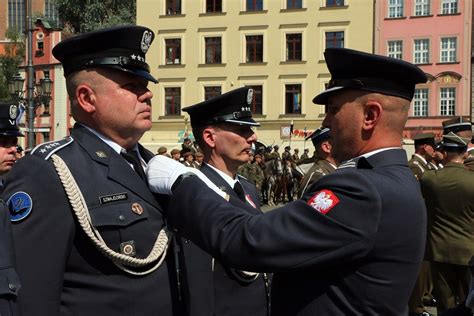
(208, 47)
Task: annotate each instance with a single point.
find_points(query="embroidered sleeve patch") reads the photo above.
(323, 201)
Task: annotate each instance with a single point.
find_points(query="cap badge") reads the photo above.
(250, 96)
(13, 111)
(146, 41)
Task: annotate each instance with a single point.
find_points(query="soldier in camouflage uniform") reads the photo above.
(325, 163)
(296, 155)
(252, 172)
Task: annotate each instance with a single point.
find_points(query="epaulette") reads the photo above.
(348, 164)
(47, 149)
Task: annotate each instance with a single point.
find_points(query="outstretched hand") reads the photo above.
(162, 172)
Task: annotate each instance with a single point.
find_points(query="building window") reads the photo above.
(16, 15)
(213, 6)
(210, 92)
(254, 48)
(420, 102)
(422, 7)
(395, 49)
(448, 50)
(173, 51)
(334, 3)
(395, 8)
(213, 50)
(293, 47)
(293, 99)
(294, 4)
(254, 5)
(421, 51)
(173, 7)
(46, 136)
(447, 101)
(39, 48)
(173, 101)
(50, 12)
(449, 6)
(334, 39)
(256, 105)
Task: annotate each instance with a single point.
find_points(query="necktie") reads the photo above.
(132, 157)
(239, 190)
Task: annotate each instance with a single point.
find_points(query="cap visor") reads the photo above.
(323, 96)
(11, 133)
(143, 73)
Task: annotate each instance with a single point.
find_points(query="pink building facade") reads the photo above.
(435, 35)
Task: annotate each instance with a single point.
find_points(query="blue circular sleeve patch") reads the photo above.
(20, 205)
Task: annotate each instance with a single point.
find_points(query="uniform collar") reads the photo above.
(231, 182)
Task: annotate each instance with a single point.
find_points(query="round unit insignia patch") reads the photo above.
(20, 205)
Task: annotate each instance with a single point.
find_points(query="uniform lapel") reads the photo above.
(218, 180)
(118, 168)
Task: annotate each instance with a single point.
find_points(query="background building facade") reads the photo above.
(435, 35)
(208, 47)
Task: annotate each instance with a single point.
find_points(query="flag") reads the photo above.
(21, 110)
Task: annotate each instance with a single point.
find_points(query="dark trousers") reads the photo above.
(451, 284)
(422, 289)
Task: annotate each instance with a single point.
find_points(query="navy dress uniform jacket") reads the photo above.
(215, 289)
(9, 280)
(61, 271)
(360, 258)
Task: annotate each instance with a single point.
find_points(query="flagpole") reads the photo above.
(304, 142)
(291, 131)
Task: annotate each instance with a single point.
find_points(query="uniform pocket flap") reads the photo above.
(118, 214)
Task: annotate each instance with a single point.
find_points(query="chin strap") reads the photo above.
(79, 206)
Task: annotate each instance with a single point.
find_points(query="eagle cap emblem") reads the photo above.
(147, 38)
(13, 111)
(249, 96)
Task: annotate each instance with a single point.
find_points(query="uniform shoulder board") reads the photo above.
(46, 150)
(348, 164)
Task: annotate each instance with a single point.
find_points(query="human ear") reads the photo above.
(208, 135)
(372, 113)
(86, 98)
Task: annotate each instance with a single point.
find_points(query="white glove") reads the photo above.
(162, 172)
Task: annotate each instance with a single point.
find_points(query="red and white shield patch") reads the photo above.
(323, 201)
(250, 201)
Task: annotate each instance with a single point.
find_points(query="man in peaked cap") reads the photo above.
(9, 133)
(461, 126)
(9, 280)
(222, 127)
(325, 163)
(424, 151)
(357, 228)
(110, 264)
(450, 232)
(419, 163)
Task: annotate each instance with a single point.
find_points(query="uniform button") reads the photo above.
(12, 287)
(121, 218)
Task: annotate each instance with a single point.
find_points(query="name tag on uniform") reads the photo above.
(113, 198)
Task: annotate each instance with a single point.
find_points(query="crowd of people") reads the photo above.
(96, 224)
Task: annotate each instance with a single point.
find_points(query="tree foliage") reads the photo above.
(87, 15)
(11, 60)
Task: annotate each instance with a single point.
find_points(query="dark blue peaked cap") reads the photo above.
(8, 115)
(319, 135)
(351, 69)
(231, 107)
(119, 47)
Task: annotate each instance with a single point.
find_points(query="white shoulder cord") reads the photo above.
(79, 206)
